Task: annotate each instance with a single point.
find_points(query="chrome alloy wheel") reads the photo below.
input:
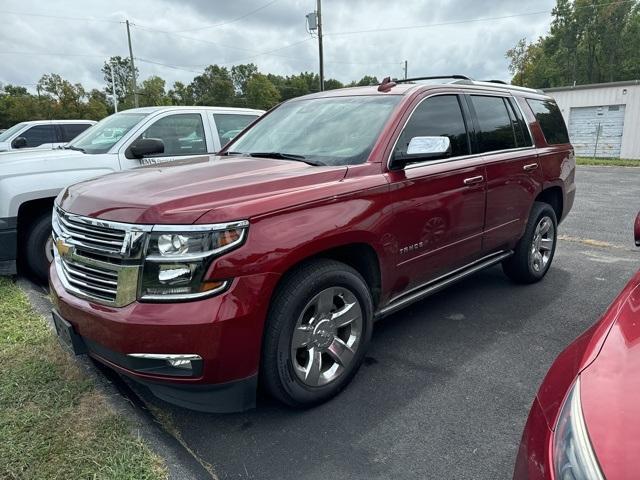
(542, 245)
(326, 336)
(48, 249)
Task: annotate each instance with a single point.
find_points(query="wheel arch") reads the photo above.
(553, 196)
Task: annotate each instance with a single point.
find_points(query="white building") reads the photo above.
(602, 118)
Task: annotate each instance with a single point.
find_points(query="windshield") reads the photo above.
(329, 131)
(104, 134)
(6, 135)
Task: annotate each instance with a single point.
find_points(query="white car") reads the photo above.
(30, 180)
(42, 134)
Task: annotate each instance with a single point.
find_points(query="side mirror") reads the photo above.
(143, 147)
(19, 142)
(636, 230)
(421, 149)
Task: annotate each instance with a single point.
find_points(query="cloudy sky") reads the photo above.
(177, 38)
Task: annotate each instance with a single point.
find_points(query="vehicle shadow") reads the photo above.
(429, 369)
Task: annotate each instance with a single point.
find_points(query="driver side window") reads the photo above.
(439, 116)
(182, 134)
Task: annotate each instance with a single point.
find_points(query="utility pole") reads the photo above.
(405, 69)
(133, 68)
(113, 88)
(319, 8)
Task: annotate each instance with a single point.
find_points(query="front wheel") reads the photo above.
(39, 247)
(535, 250)
(318, 329)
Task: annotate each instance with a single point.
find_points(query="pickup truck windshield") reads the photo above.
(329, 131)
(6, 135)
(104, 134)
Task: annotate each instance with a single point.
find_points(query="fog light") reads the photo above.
(180, 363)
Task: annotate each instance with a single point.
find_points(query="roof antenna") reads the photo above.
(386, 85)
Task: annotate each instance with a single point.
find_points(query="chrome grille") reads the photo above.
(91, 236)
(98, 282)
(98, 260)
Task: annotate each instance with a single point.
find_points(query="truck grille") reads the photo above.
(98, 260)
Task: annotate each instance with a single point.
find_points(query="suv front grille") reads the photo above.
(98, 260)
(94, 281)
(90, 235)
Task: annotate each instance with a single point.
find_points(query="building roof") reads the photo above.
(624, 83)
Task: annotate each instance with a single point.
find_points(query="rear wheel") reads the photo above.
(535, 250)
(39, 247)
(317, 332)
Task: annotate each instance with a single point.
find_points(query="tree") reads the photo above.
(181, 94)
(588, 42)
(122, 74)
(518, 59)
(152, 92)
(213, 87)
(332, 84)
(240, 75)
(261, 93)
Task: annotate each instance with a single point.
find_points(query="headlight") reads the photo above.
(177, 258)
(573, 455)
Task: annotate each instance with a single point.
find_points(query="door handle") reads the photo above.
(472, 180)
(530, 168)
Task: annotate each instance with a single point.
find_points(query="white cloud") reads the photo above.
(475, 48)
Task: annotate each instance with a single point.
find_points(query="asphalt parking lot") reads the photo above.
(447, 383)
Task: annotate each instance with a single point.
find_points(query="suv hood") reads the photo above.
(229, 188)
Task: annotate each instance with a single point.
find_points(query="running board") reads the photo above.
(439, 283)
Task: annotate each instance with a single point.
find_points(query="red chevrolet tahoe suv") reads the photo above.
(270, 261)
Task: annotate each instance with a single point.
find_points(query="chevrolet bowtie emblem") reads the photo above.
(63, 248)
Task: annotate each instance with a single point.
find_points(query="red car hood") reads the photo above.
(610, 391)
(181, 192)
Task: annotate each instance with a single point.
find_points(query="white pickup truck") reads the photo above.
(30, 180)
(42, 134)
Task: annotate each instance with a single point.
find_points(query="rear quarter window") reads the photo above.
(550, 120)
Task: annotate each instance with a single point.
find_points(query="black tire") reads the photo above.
(35, 247)
(521, 266)
(309, 281)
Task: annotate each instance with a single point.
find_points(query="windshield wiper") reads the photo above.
(232, 153)
(287, 156)
(71, 147)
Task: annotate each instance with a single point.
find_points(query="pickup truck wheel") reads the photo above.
(534, 252)
(317, 331)
(39, 247)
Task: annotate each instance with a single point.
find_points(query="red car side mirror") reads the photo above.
(636, 230)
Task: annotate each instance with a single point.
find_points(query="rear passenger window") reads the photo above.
(230, 125)
(72, 130)
(495, 125)
(523, 137)
(439, 116)
(550, 119)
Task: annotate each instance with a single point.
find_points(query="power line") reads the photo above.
(215, 25)
(60, 17)
(470, 20)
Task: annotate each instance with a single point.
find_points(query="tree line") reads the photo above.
(239, 86)
(589, 41)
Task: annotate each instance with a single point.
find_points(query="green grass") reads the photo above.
(613, 162)
(54, 423)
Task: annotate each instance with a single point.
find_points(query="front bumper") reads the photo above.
(534, 460)
(225, 331)
(8, 245)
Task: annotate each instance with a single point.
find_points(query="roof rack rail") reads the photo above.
(494, 81)
(435, 77)
(387, 84)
